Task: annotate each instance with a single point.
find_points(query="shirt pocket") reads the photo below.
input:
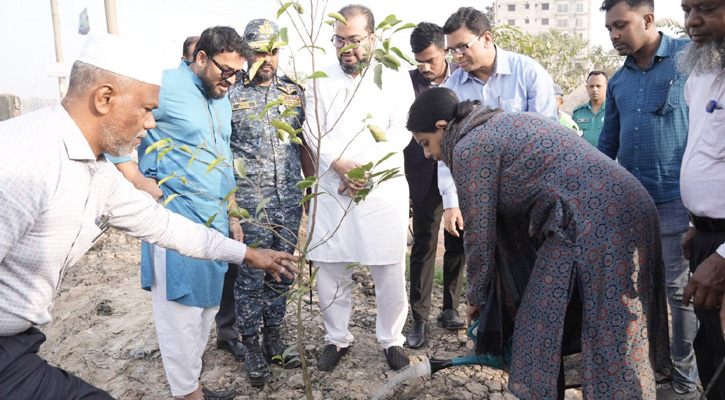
(667, 94)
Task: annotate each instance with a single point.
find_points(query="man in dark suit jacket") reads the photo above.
(427, 42)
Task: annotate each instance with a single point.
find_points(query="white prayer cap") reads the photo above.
(133, 59)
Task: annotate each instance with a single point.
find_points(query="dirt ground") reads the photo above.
(103, 331)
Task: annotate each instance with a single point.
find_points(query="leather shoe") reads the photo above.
(450, 319)
(233, 346)
(417, 334)
(211, 395)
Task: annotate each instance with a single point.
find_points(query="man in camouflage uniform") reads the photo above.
(272, 169)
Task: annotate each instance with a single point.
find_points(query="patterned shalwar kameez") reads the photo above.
(597, 232)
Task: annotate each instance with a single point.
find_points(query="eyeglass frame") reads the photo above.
(348, 41)
(462, 49)
(225, 71)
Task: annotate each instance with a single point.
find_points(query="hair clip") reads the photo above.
(712, 106)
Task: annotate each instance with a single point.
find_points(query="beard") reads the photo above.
(696, 59)
(264, 78)
(114, 143)
(353, 68)
(210, 88)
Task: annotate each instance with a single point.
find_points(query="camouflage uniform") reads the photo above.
(272, 168)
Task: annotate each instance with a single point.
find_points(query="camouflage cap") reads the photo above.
(259, 32)
(558, 91)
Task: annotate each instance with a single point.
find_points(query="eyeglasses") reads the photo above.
(339, 42)
(462, 49)
(226, 72)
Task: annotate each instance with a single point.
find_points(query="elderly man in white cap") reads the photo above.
(58, 194)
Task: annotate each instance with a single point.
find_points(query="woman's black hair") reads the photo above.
(434, 105)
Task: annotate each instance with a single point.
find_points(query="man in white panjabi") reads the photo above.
(373, 232)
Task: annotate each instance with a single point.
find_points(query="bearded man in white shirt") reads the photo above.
(373, 232)
(702, 182)
(58, 194)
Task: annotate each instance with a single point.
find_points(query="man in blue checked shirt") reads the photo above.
(645, 127)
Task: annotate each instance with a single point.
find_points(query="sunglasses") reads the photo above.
(226, 72)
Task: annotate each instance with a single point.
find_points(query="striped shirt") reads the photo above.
(56, 200)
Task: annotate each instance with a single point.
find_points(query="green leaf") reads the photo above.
(296, 140)
(255, 245)
(299, 8)
(163, 153)
(404, 56)
(307, 182)
(283, 35)
(346, 48)
(277, 44)
(406, 26)
(185, 148)
(283, 126)
(308, 198)
(231, 192)
(317, 74)
(384, 158)
(280, 135)
(159, 143)
(361, 195)
(368, 116)
(161, 182)
(269, 107)
(378, 76)
(368, 166)
(356, 173)
(262, 204)
(314, 274)
(283, 8)
(183, 179)
(378, 133)
(390, 62)
(386, 44)
(193, 156)
(213, 164)
(238, 212)
(210, 220)
(171, 197)
(338, 17)
(239, 167)
(255, 67)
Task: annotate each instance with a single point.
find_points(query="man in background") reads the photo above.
(590, 115)
(428, 44)
(645, 128)
(188, 49)
(564, 118)
(272, 170)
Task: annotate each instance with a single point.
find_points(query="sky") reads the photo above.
(26, 30)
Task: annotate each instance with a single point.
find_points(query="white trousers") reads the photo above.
(183, 331)
(335, 294)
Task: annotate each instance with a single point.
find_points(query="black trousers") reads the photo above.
(708, 344)
(226, 317)
(426, 224)
(24, 375)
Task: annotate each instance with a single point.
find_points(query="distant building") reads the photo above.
(539, 16)
(35, 103)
